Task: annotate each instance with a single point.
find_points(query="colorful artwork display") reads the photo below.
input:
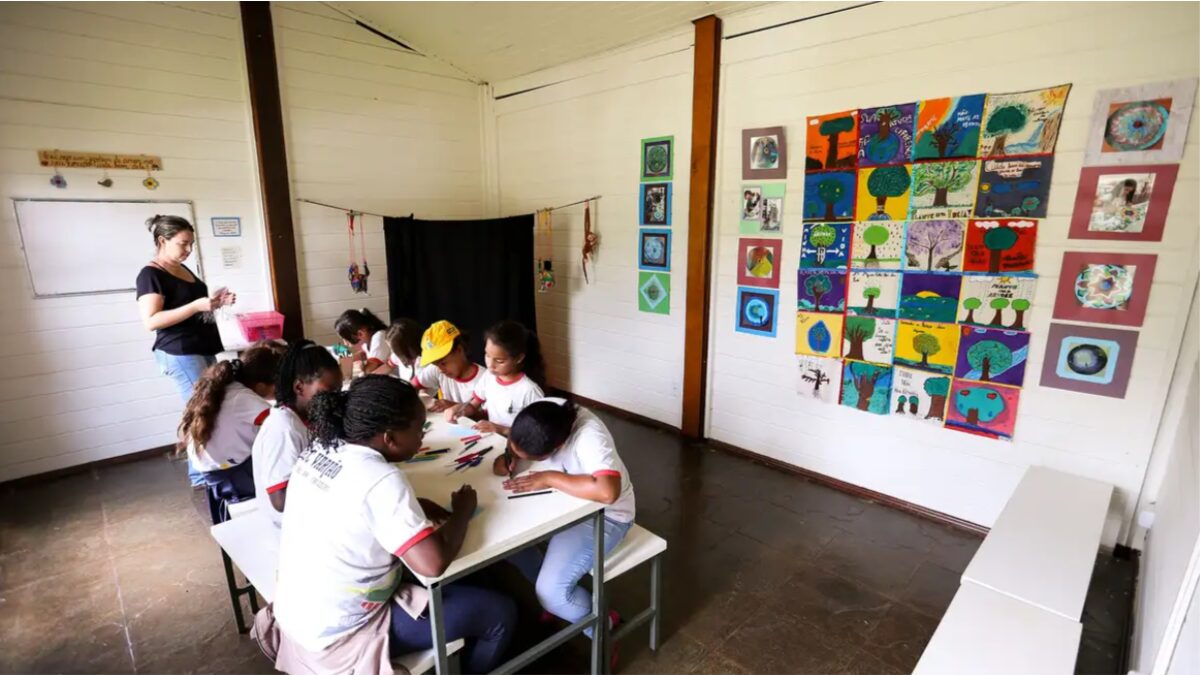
(948, 127)
(762, 208)
(996, 302)
(654, 250)
(819, 378)
(1089, 359)
(1128, 202)
(1023, 122)
(655, 204)
(764, 153)
(934, 245)
(829, 196)
(825, 245)
(869, 339)
(1104, 287)
(867, 387)
(759, 262)
(943, 190)
(757, 311)
(877, 245)
(919, 395)
(658, 156)
(654, 292)
(982, 409)
(873, 294)
(831, 141)
(927, 296)
(819, 334)
(991, 355)
(1144, 124)
(820, 290)
(1014, 188)
(885, 134)
(883, 193)
(927, 346)
(1000, 246)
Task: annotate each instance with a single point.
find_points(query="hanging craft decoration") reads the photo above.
(150, 182)
(545, 268)
(105, 181)
(591, 240)
(58, 180)
(357, 276)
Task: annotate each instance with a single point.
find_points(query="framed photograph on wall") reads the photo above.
(1126, 202)
(655, 209)
(658, 156)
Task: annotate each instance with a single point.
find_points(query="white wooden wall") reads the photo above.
(898, 52)
(370, 126)
(78, 381)
(580, 136)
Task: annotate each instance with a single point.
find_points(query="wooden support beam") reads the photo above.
(263, 74)
(705, 83)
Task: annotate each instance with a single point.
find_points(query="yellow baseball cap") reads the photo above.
(437, 342)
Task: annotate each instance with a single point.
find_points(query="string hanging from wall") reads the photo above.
(358, 276)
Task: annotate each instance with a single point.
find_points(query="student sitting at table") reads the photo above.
(445, 366)
(404, 339)
(307, 370)
(366, 336)
(222, 418)
(343, 601)
(572, 452)
(515, 373)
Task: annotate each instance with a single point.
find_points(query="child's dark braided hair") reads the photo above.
(373, 404)
(304, 361)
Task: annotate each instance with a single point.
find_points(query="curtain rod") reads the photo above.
(368, 213)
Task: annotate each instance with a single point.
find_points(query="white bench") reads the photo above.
(638, 546)
(251, 541)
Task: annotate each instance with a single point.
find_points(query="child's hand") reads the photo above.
(464, 500)
(452, 413)
(439, 405)
(487, 427)
(500, 465)
(534, 480)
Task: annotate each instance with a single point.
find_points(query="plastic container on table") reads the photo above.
(257, 326)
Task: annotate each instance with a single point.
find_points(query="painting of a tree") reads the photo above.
(999, 305)
(1020, 306)
(821, 237)
(940, 179)
(875, 236)
(870, 293)
(832, 129)
(885, 182)
(830, 191)
(979, 404)
(971, 304)
(946, 138)
(913, 402)
(926, 344)
(989, 356)
(864, 378)
(858, 329)
(1007, 120)
(900, 401)
(937, 388)
(998, 240)
(816, 377)
(937, 242)
(817, 286)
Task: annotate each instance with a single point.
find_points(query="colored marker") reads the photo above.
(531, 494)
(439, 451)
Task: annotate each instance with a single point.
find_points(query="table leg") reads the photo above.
(600, 626)
(655, 599)
(234, 593)
(437, 626)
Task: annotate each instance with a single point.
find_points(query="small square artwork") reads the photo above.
(825, 245)
(818, 378)
(1023, 122)
(991, 355)
(885, 134)
(654, 250)
(927, 346)
(986, 410)
(752, 204)
(869, 339)
(829, 196)
(1014, 188)
(928, 296)
(1143, 124)
(948, 127)
(757, 311)
(654, 292)
(943, 190)
(759, 262)
(997, 302)
(883, 193)
(1004, 246)
(1127, 202)
(1089, 359)
(656, 204)
(934, 245)
(658, 157)
(867, 387)
(821, 290)
(831, 141)
(819, 334)
(873, 294)
(762, 208)
(764, 153)
(920, 396)
(877, 245)
(1104, 287)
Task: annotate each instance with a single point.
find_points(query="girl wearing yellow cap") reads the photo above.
(445, 366)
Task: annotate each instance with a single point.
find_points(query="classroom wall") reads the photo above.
(897, 52)
(575, 135)
(370, 126)
(77, 378)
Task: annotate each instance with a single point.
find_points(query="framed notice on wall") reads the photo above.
(227, 226)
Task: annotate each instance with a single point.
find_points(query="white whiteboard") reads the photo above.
(82, 247)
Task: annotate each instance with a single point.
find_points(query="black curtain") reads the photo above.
(472, 273)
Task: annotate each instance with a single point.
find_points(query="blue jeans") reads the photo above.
(485, 619)
(184, 371)
(568, 558)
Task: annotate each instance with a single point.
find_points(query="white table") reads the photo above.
(1043, 546)
(987, 633)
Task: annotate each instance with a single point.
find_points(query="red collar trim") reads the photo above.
(474, 374)
(520, 376)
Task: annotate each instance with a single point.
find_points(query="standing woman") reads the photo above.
(176, 305)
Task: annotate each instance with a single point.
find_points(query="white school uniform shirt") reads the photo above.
(280, 441)
(590, 451)
(405, 373)
(452, 388)
(377, 348)
(505, 399)
(242, 413)
(350, 515)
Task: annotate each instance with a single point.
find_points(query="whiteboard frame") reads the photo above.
(25, 254)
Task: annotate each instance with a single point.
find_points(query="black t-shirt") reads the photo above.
(193, 335)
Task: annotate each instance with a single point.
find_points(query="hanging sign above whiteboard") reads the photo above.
(98, 160)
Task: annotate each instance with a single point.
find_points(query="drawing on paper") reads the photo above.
(825, 245)
(831, 141)
(654, 250)
(948, 127)
(928, 296)
(829, 196)
(1143, 124)
(820, 290)
(1104, 287)
(818, 378)
(764, 153)
(757, 311)
(934, 245)
(762, 208)
(920, 395)
(982, 409)
(656, 204)
(927, 346)
(1000, 246)
(1023, 123)
(772, 215)
(1089, 359)
(760, 263)
(997, 302)
(654, 292)
(867, 387)
(1127, 202)
(885, 134)
(658, 155)
(883, 193)
(943, 190)
(751, 202)
(877, 245)
(819, 334)
(1014, 188)
(873, 294)
(869, 339)
(991, 355)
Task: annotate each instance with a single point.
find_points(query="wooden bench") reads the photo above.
(251, 541)
(639, 546)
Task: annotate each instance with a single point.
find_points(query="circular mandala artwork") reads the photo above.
(1136, 126)
(653, 250)
(656, 159)
(1104, 286)
(757, 313)
(765, 153)
(1087, 359)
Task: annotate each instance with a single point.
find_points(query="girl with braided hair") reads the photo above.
(352, 516)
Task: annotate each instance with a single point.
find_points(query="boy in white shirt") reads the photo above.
(446, 366)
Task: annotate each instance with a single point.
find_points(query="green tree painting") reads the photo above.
(1020, 306)
(942, 178)
(833, 129)
(998, 240)
(971, 304)
(830, 191)
(858, 329)
(821, 237)
(989, 356)
(937, 388)
(870, 293)
(927, 345)
(885, 182)
(998, 305)
(1006, 120)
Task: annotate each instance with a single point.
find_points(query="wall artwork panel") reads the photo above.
(1126, 202)
(943, 190)
(819, 334)
(883, 193)
(825, 245)
(831, 141)
(818, 378)
(1143, 124)
(873, 294)
(757, 311)
(885, 134)
(948, 127)
(829, 195)
(759, 262)
(934, 245)
(1100, 287)
(764, 153)
(867, 387)
(1003, 246)
(1023, 122)
(658, 158)
(821, 290)
(927, 346)
(869, 339)
(1014, 187)
(987, 410)
(1089, 359)
(877, 245)
(920, 396)
(992, 355)
(997, 301)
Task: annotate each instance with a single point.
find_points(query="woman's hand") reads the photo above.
(223, 298)
(534, 480)
(464, 500)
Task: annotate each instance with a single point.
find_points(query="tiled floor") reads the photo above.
(114, 571)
